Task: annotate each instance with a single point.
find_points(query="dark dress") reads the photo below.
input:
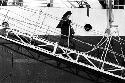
(65, 26)
(103, 3)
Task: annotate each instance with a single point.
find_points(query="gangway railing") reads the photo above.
(19, 35)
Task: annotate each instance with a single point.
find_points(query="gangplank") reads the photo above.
(26, 32)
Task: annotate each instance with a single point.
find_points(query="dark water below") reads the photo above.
(34, 72)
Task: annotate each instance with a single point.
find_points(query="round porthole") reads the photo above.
(87, 27)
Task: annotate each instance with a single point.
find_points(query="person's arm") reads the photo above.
(60, 24)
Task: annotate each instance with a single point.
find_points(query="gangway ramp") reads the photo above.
(26, 31)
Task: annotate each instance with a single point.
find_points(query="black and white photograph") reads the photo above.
(62, 41)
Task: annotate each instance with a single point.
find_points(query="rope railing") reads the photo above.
(56, 18)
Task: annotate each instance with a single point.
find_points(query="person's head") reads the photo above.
(67, 15)
(5, 24)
